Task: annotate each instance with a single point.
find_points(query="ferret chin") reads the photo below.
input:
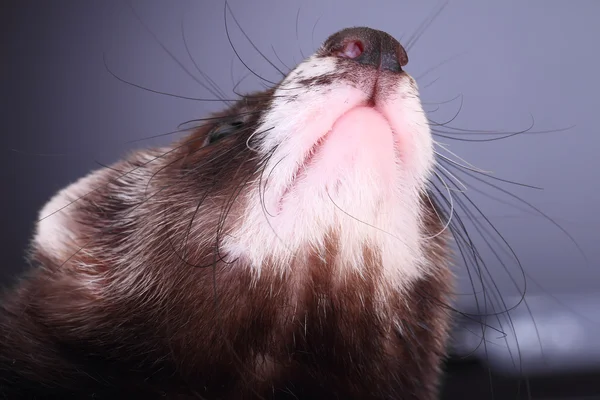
(287, 248)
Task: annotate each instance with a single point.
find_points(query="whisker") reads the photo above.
(483, 324)
(463, 236)
(235, 86)
(505, 135)
(262, 193)
(451, 212)
(217, 118)
(277, 56)
(531, 206)
(251, 43)
(483, 131)
(199, 204)
(497, 292)
(435, 67)
(174, 132)
(217, 90)
(428, 85)
(439, 166)
(252, 137)
(363, 222)
(298, 36)
(467, 164)
(487, 173)
(424, 26)
(138, 86)
(312, 33)
(442, 102)
(167, 51)
(432, 123)
(499, 235)
(29, 153)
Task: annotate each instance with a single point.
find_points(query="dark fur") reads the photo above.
(143, 312)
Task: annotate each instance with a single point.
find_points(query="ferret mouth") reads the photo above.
(302, 169)
(315, 151)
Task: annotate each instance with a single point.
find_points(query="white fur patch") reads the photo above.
(366, 192)
(56, 232)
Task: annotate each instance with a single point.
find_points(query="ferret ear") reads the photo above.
(59, 234)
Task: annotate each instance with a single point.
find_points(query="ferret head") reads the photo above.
(308, 200)
(338, 153)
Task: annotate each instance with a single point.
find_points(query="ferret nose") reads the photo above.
(368, 47)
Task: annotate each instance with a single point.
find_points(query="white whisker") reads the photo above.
(451, 213)
(467, 165)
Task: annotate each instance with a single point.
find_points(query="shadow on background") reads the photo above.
(473, 381)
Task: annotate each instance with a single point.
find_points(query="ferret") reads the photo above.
(288, 248)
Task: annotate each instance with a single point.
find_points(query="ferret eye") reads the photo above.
(223, 130)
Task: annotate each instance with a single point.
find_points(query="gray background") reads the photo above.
(62, 111)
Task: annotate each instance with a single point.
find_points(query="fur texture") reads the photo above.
(297, 256)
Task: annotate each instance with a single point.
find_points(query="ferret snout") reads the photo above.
(368, 46)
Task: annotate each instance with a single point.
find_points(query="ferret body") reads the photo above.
(288, 248)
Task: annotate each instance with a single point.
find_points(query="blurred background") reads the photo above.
(497, 66)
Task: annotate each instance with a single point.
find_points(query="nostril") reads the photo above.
(352, 49)
(366, 46)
